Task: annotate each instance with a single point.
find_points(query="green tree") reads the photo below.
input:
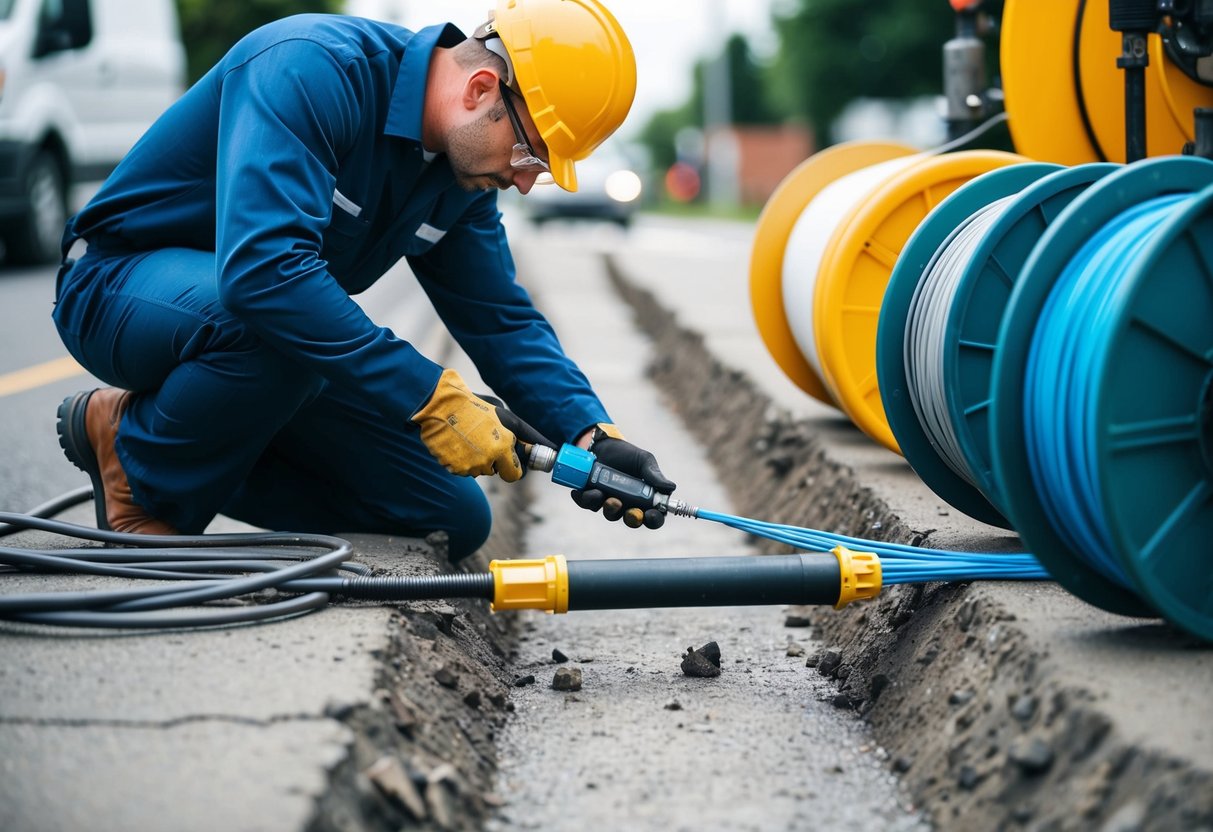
(832, 52)
(749, 86)
(659, 132)
(211, 27)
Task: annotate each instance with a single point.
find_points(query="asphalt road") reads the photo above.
(32, 468)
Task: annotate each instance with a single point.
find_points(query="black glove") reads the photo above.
(616, 452)
(523, 432)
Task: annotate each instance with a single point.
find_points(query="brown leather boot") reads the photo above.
(88, 426)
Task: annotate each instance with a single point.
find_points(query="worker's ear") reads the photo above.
(481, 86)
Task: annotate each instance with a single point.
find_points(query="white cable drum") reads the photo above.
(926, 325)
(811, 235)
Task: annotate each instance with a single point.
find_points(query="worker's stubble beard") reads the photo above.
(465, 152)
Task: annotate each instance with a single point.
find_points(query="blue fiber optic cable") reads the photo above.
(574, 467)
(900, 564)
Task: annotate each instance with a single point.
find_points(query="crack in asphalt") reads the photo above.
(167, 724)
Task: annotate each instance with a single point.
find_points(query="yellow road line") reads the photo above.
(38, 375)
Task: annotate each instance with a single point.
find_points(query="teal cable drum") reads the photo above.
(1060, 393)
(1153, 432)
(1019, 497)
(916, 257)
(978, 307)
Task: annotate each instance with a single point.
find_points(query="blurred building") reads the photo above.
(757, 159)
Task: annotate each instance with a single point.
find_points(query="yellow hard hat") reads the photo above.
(575, 69)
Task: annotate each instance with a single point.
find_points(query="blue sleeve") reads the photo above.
(469, 276)
(287, 115)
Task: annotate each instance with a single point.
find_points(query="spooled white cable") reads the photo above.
(811, 235)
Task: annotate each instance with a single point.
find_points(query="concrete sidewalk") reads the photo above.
(358, 716)
(1007, 703)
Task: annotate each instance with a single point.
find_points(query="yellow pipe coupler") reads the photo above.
(859, 574)
(531, 584)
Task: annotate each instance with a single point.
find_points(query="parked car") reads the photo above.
(80, 82)
(608, 188)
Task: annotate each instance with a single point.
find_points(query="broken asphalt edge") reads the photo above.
(986, 730)
(422, 752)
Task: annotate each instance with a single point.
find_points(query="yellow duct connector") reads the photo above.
(531, 584)
(859, 575)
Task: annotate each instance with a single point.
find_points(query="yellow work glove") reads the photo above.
(463, 433)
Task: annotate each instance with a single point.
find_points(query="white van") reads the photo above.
(80, 82)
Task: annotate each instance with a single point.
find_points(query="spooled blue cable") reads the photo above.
(1061, 387)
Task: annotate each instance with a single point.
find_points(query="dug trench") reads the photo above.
(988, 728)
(978, 718)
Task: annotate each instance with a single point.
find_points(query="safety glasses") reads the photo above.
(525, 157)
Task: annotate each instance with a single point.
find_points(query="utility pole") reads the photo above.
(720, 144)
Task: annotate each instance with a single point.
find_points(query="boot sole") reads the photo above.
(73, 439)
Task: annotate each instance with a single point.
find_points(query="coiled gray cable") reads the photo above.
(209, 574)
(926, 327)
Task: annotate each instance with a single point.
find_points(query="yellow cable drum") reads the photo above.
(775, 225)
(838, 260)
(1059, 65)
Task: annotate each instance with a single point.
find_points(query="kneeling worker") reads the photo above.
(209, 280)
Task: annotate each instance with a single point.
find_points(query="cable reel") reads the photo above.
(966, 335)
(818, 279)
(1046, 360)
(958, 323)
(1065, 95)
(1100, 454)
(774, 227)
(1138, 431)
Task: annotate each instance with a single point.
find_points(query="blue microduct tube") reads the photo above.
(900, 563)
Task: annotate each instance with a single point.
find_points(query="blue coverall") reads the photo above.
(222, 254)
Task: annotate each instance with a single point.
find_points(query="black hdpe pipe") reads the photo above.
(703, 582)
(199, 576)
(621, 584)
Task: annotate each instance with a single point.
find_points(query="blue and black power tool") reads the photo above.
(579, 469)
